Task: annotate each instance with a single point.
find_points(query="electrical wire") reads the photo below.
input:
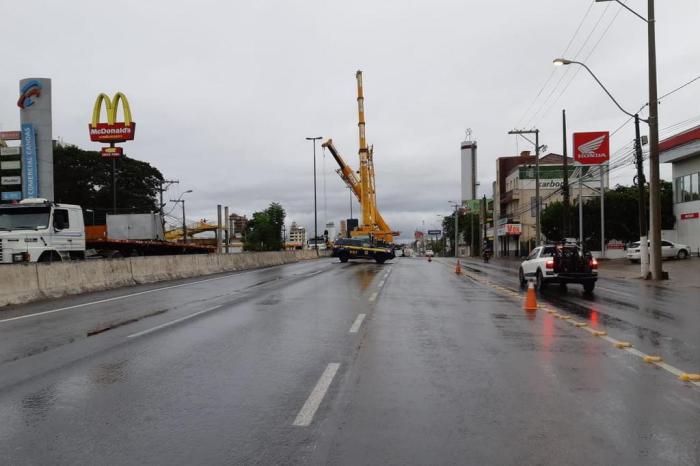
(551, 75)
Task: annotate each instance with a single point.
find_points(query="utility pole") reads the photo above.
(315, 203)
(565, 187)
(536, 132)
(654, 183)
(218, 229)
(641, 181)
(164, 185)
(227, 239)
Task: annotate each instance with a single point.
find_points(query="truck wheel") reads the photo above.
(588, 287)
(343, 257)
(50, 256)
(540, 284)
(521, 278)
(381, 258)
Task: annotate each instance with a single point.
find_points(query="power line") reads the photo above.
(551, 74)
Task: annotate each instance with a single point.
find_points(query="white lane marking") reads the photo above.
(381, 284)
(373, 297)
(117, 298)
(306, 413)
(172, 322)
(356, 325)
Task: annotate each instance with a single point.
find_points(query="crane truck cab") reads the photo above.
(37, 230)
(362, 247)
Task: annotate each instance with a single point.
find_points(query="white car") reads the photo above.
(559, 264)
(668, 250)
(429, 253)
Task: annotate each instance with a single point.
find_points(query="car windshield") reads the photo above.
(21, 218)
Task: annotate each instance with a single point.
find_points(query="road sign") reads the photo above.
(592, 148)
(9, 151)
(435, 232)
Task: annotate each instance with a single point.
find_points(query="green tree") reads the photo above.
(264, 231)
(621, 215)
(85, 178)
(468, 223)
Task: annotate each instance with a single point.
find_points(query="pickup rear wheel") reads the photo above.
(540, 284)
(521, 278)
(588, 287)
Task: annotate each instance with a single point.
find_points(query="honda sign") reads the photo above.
(592, 148)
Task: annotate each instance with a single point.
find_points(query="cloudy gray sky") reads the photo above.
(224, 93)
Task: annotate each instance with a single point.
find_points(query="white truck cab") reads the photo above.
(36, 230)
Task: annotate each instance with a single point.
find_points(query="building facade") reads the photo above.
(238, 223)
(682, 151)
(515, 195)
(297, 234)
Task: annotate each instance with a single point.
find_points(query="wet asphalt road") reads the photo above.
(277, 366)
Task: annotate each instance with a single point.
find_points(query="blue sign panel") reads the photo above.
(434, 232)
(12, 196)
(30, 178)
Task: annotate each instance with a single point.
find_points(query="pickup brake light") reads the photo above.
(549, 264)
(594, 264)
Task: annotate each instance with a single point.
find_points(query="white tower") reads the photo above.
(468, 168)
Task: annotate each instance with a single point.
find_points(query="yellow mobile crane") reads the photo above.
(373, 224)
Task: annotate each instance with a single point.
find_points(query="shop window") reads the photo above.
(687, 188)
(696, 186)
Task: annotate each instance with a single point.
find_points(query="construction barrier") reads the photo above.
(23, 283)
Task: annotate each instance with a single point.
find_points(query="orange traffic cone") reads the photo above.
(458, 268)
(530, 298)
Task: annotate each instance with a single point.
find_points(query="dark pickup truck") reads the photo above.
(561, 264)
(362, 248)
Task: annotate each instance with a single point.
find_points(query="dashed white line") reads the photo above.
(381, 284)
(173, 322)
(307, 412)
(373, 297)
(356, 325)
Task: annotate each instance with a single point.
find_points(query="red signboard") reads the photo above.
(690, 215)
(592, 148)
(11, 135)
(115, 132)
(109, 152)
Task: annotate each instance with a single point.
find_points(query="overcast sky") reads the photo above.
(224, 92)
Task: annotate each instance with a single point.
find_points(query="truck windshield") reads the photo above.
(23, 218)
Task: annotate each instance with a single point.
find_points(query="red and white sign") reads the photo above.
(690, 215)
(11, 135)
(592, 148)
(116, 132)
(615, 245)
(112, 152)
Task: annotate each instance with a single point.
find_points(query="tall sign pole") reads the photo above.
(565, 186)
(37, 144)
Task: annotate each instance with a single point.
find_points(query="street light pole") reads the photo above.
(657, 272)
(315, 203)
(640, 177)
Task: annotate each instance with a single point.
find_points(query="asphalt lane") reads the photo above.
(658, 319)
(328, 363)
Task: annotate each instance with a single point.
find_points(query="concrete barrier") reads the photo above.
(18, 284)
(22, 283)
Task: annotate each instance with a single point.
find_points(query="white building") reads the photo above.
(682, 151)
(297, 234)
(468, 170)
(330, 228)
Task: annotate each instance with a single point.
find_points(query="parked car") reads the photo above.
(561, 264)
(668, 250)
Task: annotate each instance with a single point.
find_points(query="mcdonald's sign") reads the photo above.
(112, 131)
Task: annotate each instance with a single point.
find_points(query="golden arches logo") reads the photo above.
(112, 131)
